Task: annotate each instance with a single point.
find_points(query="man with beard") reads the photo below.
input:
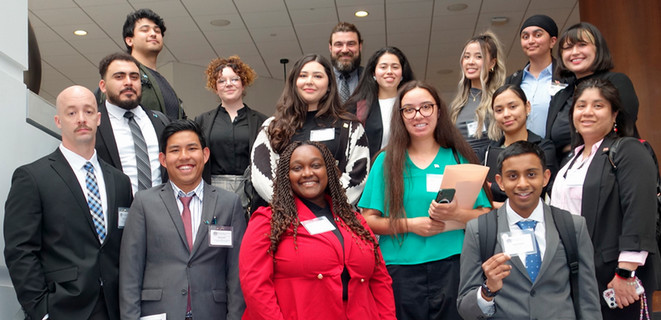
(128, 135)
(345, 46)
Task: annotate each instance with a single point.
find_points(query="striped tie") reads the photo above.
(94, 201)
(141, 155)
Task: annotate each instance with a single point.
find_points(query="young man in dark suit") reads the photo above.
(63, 222)
(534, 286)
(180, 252)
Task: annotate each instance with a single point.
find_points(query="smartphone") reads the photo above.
(609, 294)
(445, 195)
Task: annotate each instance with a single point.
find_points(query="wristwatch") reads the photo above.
(625, 273)
(487, 293)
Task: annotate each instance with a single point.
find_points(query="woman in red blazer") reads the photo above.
(310, 255)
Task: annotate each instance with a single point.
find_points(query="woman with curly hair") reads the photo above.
(373, 100)
(482, 72)
(310, 255)
(421, 255)
(309, 109)
(230, 128)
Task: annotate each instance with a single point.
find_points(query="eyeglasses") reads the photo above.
(224, 82)
(408, 111)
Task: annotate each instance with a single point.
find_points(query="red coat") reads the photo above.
(305, 283)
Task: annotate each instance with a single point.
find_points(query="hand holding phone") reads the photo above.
(609, 294)
(445, 195)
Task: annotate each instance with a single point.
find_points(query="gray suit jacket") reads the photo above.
(550, 296)
(157, 268)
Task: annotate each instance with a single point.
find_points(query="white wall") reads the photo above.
(22, 143)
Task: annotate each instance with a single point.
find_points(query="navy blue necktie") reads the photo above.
(533, 261)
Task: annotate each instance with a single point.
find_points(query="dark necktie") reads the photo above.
(94, 201)
(533, 261)
(141, 155)
(344, 87)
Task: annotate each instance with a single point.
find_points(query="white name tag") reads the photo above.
(472, 128)
(555, 87)
(160, 316)
(322, 134)
(434, 182)
(122, 214)
(220, 236)
(318, 225)
(518, 242)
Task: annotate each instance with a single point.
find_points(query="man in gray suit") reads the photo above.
(180, 251)
(523, 286)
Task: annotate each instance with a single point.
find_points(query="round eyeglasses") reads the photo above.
(224, 82)
(408, 111)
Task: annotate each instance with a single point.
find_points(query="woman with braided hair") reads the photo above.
(310, 255)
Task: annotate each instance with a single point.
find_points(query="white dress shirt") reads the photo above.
(126, 147)
(77, 164)
(195, 205)
(386, 106)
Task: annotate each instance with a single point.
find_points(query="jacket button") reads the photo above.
(532, 293)
(320, 276)
(184, 292)
(362, 280)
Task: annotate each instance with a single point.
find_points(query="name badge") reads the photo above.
(322, 134)
(160, 316)
(518, 242)
(122, 214)
(555, 87)
(472, 127)
(318, 225)
(220, 236)
(434, 182)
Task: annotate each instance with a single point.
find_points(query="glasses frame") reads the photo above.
(223, 83)
(418, 109)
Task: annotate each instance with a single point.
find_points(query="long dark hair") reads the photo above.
(445, 134)
(283, 205)
(585, 32)
(291, 110)
(368, 88)
(611, 94)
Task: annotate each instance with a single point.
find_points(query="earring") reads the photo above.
(491, 69)
(374, 77)
(615, 127)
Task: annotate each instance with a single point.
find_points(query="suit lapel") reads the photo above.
(552, 241)
(109, 180)
(304, 213)
(167, 196)
(503, 224)
(209, 202)
(64, 170)
(107, 137)
(596, 182)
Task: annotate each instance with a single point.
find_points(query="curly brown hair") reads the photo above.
(244, 71)
(283, 205)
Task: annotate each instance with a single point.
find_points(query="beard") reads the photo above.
(346, 67)
(124, 104)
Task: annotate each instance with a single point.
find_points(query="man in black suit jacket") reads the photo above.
(63, 263)
(120, 82)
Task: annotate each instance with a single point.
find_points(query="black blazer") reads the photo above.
(620, 211)
(106, 145)
(52, 251)
(207, 119)
(373, 124)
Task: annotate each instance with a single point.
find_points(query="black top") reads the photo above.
(313, 124)
(229, 143)
(169, 97)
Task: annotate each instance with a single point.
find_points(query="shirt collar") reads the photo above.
(548, 71)
(198, 191)
(595, 147)
(76, 161)
(536, 215)
(352, 75)
(118, 113)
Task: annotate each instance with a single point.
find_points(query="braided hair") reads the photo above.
(283, 205)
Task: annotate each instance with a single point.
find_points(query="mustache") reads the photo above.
(82, 126)
(129, 90)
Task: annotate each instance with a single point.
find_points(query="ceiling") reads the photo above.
(264, 31)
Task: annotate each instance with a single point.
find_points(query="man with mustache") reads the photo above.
(345, 45)
(128, 135)
(64, 219)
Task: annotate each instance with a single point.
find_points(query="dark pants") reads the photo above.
(426, 291)
(100, 311)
